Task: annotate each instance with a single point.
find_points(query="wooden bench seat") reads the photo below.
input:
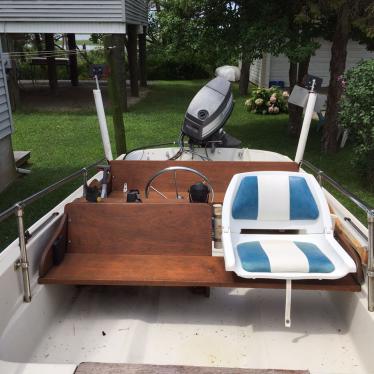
(152, 270)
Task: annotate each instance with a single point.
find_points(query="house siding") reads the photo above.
(320, 63)
(61, 10)
(5, 112)
(136, 12)
(70, 16)
(255, 72)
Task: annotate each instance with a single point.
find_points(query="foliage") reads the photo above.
(267, 101)
(211, 33)
(357, 114)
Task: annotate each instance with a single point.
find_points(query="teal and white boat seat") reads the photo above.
(277, 225)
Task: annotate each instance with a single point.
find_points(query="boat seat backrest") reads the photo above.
(275, 200)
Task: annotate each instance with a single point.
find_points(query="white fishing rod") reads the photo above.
(102, 121)
(312, 98)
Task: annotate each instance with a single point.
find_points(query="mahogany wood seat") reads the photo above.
(183, 271)
(165, 245)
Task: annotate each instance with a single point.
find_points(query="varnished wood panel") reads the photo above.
(219, 173)
(151, 270)
(103, 368)
(136, 228)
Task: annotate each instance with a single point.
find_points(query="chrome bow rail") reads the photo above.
(321, 177)
(18, 210)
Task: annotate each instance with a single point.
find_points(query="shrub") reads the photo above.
(267, 101)
(357, 114)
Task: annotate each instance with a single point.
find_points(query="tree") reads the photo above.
(351, 16)
(357, 115)
(305, 24)
(219, 31)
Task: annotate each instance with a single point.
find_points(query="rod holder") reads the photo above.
(309, 110)
(370, 268)
(23, 263)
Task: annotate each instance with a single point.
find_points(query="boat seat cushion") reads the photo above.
(264, 198)
(280, 256)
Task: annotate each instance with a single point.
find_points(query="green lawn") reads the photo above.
(61, 143)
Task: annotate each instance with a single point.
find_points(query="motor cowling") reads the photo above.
(208, 112)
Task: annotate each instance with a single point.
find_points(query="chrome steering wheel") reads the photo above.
(174, 169)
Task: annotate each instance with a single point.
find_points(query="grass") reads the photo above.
(61, 143)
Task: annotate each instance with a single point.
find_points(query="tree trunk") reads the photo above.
(337, 67)
(296, 74)
(143, 57)
(118, 41)
(73, 61)
(115, 88)
(132, 50)
(303, 70)
(292, 109)
(244, 77)
(292, 75)
(51, 62)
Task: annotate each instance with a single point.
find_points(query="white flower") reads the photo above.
(285, 94)
(259, 102)
(276, 109)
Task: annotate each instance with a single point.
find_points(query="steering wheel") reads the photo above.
(174, 169)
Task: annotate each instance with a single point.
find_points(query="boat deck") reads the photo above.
(172, 326)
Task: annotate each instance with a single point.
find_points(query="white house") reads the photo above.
(275, 68)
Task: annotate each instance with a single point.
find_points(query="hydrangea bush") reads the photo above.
(267, 101)
(357, 114)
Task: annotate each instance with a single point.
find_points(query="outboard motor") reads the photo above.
(207, 114)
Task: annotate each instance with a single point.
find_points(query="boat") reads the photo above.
(192, 258)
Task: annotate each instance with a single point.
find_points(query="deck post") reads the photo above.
(143, 57)
(370, 269)
(73, 61)
(116, 68)
(132, 50)
(23, 262)
(51, 62)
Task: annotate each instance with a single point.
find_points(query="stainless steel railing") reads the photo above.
(321, 177)
(18, 209)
